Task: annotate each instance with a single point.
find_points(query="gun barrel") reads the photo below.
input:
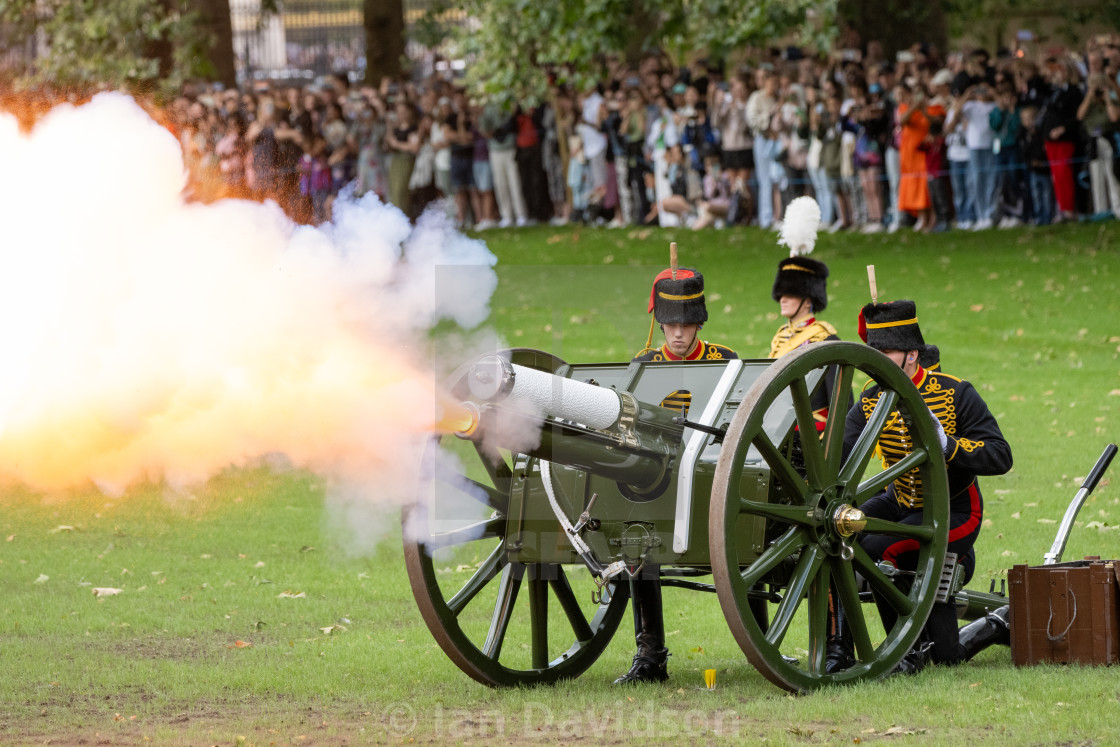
(494, 379)
(596, 429)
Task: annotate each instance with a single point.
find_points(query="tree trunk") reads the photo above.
(162, 49)
(896, 23)
(216, 19)
(384, 24)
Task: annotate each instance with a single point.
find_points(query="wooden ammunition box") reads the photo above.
(1065, 613)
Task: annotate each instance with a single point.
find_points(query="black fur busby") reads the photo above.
(679, 301)
(804, 278)
(891, 326)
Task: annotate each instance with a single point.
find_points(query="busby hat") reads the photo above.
(804, 278)
(891, 326)
(678, 300)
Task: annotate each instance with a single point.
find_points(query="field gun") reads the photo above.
(608, 481)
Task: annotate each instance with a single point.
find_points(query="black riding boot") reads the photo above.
(937, 642)
(649, 633)
(839, 653)
(942, 630)
(989, 630)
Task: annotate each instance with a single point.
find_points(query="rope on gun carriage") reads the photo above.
(601, 574)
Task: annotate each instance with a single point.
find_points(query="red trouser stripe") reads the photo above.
(961, 531)
(974, 512)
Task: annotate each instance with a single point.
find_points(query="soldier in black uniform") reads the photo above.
(973, 445)
(677, 303)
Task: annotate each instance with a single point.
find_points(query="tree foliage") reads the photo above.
(514, 45)
(138, 44)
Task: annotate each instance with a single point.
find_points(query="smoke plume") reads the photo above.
(148, 338)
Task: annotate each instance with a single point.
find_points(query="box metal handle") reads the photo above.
(1055, 638)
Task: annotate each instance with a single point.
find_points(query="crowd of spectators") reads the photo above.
(920, 141)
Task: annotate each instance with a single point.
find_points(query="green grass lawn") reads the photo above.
(339, 653)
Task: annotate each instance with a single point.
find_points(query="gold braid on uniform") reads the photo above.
(789, 336)
(895, 442)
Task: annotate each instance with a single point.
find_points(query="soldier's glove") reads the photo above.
(940, 432)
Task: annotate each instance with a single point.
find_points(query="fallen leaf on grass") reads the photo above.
(697, 650)
(1114, 393)
(11, 537)
(976, 307)
(1047, 521)
(43, 578)
(291, 595)
(330, 629)
(241, 644)
(60, 528)
(105, 591)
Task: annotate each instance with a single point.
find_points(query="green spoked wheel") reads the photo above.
(812, 558)
(503, 623)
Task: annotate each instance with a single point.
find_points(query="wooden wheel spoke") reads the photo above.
(833, 436)
(781, 468)
(818, 619)
(920, 532)
(807, 431)
(484, 494)
(800, 515)
(847, 596)
(878, 483)
(881, 584)
(780, 549)
(479, 530)
(807, 567)
(563, 591)
(503, 610)
(865, 444)
(538, 622)
(495, 464)
(485, 573)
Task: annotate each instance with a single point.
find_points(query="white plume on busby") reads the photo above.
(799, 229)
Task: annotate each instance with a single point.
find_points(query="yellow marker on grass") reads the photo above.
(710, 678)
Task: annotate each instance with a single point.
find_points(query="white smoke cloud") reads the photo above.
(148, 338)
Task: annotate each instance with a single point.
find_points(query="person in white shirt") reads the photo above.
(975, 106)
(594, 141)
(761, 108)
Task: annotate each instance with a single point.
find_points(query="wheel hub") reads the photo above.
(847, 520)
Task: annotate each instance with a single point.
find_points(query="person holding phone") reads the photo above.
(1099, 112)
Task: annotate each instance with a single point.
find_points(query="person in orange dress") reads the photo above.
(913, 189)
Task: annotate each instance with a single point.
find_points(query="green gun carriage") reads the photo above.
(569, 478)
